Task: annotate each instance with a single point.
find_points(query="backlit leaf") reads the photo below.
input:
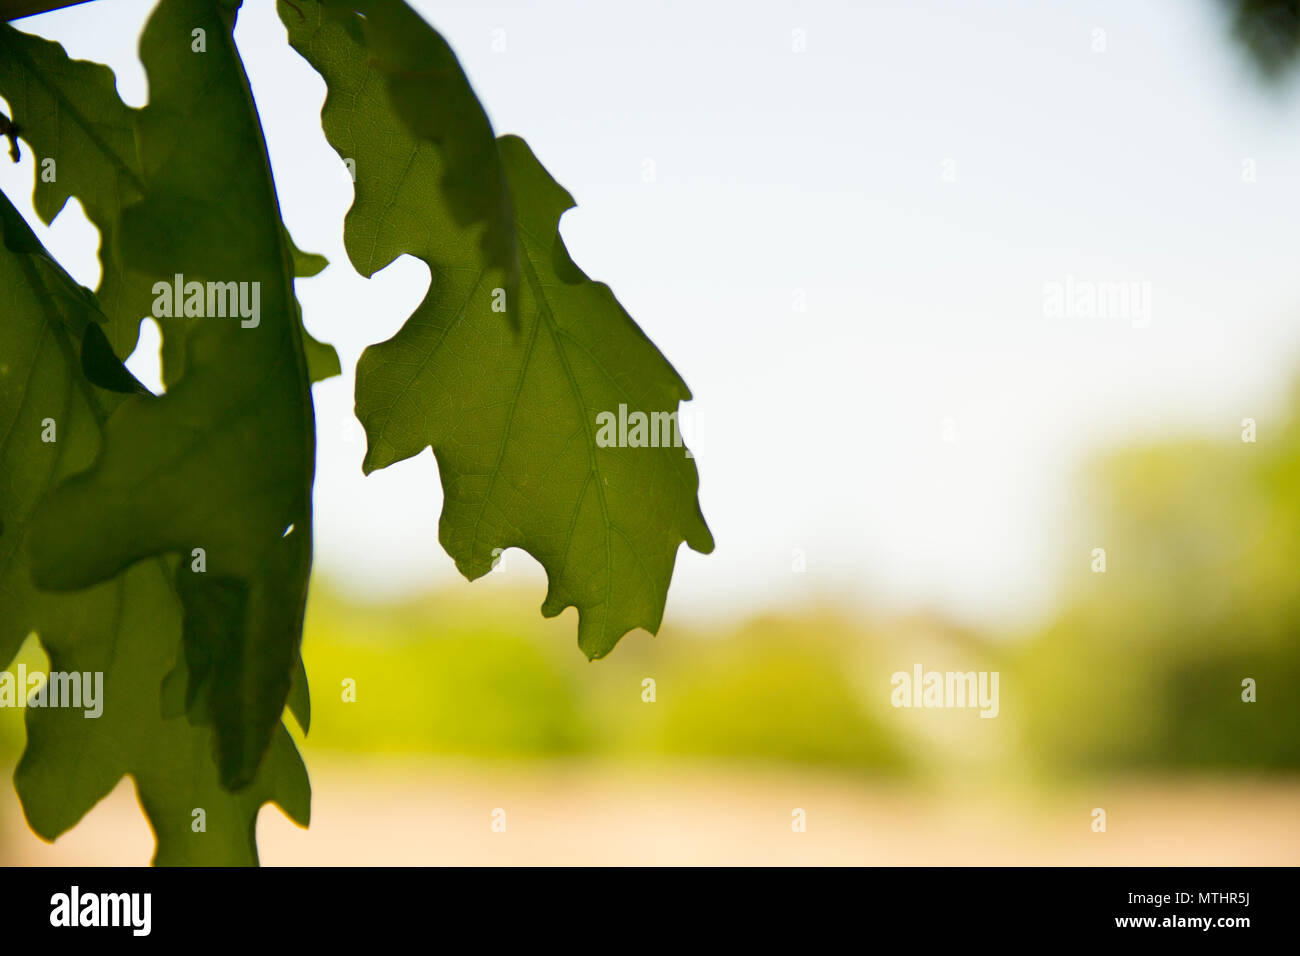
(224, 460)
(128, 628)
(510, 409)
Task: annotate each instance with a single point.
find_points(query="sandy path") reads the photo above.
(380, 813)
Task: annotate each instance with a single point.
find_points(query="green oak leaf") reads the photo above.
(223, 461)
(423, 83)
(322, 360)
(84, 139)
(510, 411)
(128, 628)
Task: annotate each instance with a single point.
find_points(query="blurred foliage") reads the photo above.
(470, 676)
(1144, 667)
(778, 689)
(32, 656)
(1269, 31)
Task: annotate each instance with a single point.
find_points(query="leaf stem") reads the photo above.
(17, 9)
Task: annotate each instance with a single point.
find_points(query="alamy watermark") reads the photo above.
(922, 688)
(73, 689)
(211, 300)
(1073, 298)
(638, 429)
(133, 911)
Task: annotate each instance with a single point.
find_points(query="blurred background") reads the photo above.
(848, 226)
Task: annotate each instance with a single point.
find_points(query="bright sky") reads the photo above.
(914, 177)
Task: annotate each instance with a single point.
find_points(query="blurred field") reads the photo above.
(1129, 699)
(468, 702)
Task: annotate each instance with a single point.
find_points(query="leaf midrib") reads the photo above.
(544, 310)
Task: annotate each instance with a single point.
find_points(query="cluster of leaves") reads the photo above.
(1269, 32)
(165, 540)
